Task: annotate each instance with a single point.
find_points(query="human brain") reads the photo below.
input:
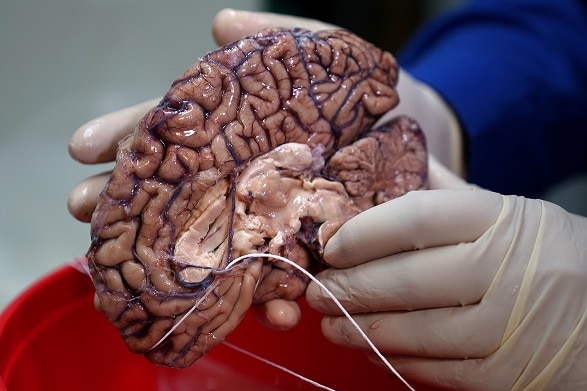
(265, 145)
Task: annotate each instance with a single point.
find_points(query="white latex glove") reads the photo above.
(463, 288)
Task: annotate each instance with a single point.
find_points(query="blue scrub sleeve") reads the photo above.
(515, 73)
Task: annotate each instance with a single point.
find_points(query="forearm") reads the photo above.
(518, 86)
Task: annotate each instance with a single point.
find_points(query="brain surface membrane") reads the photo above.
(264, 145)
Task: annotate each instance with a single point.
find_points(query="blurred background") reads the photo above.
(64, 62)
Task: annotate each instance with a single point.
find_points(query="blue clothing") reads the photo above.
(515, 72)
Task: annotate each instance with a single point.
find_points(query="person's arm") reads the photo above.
(515, 73)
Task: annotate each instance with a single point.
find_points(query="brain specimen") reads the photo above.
(265, 145)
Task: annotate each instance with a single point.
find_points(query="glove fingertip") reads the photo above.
(279, 314)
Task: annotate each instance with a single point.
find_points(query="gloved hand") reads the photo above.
(464, 288)
(96, 141)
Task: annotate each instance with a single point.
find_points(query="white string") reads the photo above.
(280, 367)
(336, 301)
(310, 276)
(176, 325)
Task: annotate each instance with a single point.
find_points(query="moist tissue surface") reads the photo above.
(264, 145)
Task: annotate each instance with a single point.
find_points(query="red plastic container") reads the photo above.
(51, 338)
